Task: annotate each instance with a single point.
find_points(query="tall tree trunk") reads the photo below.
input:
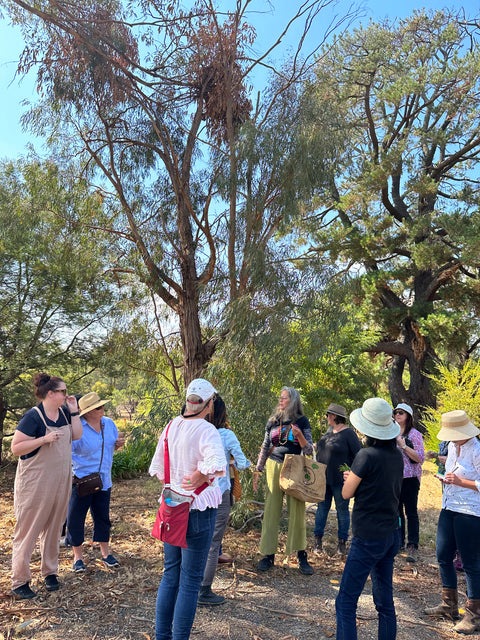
(419, 360)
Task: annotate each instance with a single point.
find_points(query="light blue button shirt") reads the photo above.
(232, 447)
(87, 452)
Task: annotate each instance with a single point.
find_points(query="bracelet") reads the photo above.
(75, 413)
(404, 446)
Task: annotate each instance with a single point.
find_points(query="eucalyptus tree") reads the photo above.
(400, 104)
(157, 98)
(55, 301)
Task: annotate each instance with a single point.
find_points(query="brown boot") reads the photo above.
(448, 607)
(471, 620)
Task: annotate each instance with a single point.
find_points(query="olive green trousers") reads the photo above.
(297, 535)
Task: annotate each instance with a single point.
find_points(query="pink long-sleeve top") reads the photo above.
(414, 469)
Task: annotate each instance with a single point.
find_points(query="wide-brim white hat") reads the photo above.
(456, 425)
(374, 419)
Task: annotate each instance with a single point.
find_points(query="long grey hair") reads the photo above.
(292, 411)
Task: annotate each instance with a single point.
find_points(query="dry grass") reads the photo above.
(281, 605)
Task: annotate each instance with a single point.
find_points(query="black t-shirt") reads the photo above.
(32, 425)
(335, 449)
(375, 511)
(283, 440)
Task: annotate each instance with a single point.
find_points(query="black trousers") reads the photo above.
(408, 510)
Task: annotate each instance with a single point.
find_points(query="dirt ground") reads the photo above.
(102, 604)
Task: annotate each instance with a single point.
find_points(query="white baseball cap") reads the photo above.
(201, 388)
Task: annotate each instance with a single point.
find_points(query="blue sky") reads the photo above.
(14, 141)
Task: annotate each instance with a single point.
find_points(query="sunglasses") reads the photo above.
(399, 413)
(64, 391)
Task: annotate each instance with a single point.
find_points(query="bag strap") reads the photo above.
(166, 464)
(103, 444)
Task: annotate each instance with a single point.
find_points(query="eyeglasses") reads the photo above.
(64, 391)
(286, 398)
(399, 413)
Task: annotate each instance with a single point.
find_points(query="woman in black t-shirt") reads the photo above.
(375, 481)
(287, 431)
(337, 447)
(43, 480)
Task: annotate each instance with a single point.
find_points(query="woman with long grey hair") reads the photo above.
(287, 431)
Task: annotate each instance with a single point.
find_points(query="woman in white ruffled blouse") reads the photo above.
(196, 456)
(459, 521)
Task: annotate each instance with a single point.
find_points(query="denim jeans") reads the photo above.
(323, 508)
(182, 576)
(408, 507)
(374, 558)
(459, 531)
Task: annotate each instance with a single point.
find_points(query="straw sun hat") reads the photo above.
(89, 402)
(374, 419)
(456, 425)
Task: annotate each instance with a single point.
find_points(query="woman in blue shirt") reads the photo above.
(232, 449)
(92, 453)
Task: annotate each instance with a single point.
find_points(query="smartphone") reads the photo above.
(440, 476)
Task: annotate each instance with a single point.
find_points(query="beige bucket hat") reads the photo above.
(456, 425)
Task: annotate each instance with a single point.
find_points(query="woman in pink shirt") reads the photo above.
(410, 442)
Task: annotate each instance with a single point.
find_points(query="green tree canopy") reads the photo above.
(157, 97)
(55, 299)
(400, 103)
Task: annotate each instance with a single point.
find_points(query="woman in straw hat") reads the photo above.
(92, 453)
(337, 447)
(459, 521)
(375, 481)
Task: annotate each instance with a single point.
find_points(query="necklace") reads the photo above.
(287, 431)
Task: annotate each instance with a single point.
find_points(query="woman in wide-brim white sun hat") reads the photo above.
(375, 481)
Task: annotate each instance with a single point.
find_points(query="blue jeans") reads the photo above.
(374, 558)
(459, 531)
(182, 576)
(343, 515)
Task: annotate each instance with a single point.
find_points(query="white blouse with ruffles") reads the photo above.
(467, 466)
(193, 444)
